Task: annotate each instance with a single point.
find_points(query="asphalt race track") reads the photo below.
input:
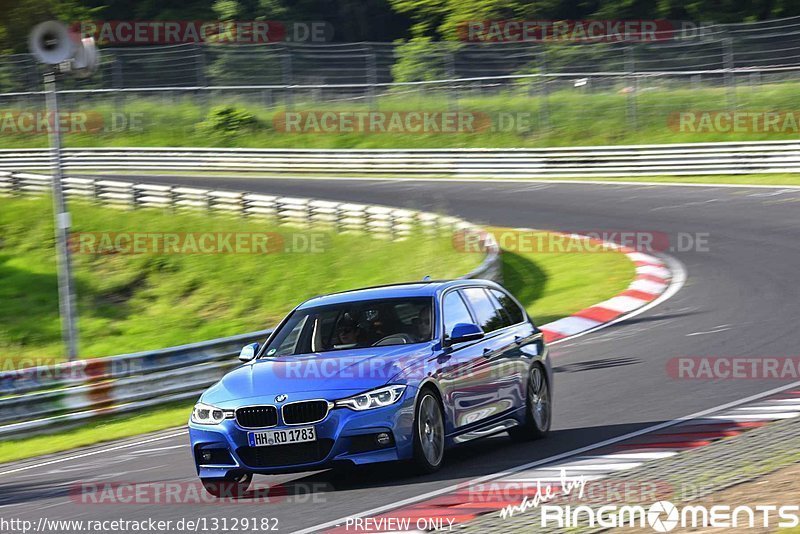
(740, 299)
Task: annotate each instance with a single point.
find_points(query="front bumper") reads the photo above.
(342, 437)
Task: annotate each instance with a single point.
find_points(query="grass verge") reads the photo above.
(134, 302)
(98, 431)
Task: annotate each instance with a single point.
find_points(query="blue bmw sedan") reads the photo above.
(399, 372)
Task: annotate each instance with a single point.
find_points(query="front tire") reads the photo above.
(428, 433)
(538, 408)
(228, 487)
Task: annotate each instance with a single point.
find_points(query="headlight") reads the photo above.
(205, 414)
(376, 398)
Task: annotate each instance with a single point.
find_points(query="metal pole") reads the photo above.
(633, 87)
(66, 292)
(730, 79)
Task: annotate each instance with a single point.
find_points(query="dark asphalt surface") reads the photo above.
(740, 299)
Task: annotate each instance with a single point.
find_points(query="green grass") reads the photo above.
(97, 431)
(550, 286)
(567, 116)
(134, 302)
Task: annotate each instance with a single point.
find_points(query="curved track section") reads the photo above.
(740, 299)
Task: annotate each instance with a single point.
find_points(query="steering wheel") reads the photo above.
(393, 340)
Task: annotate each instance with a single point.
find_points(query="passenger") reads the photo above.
(423, 324)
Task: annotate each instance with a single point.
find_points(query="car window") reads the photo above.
(454, 311)
(354, 325)
(489, 317)
(289, 343)
(512, 309)
(506, 320)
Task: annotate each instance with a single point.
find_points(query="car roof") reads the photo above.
(404, 290)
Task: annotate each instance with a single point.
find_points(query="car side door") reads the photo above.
(499, 374)
(457, 361)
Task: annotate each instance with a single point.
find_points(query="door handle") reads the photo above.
(487, 352)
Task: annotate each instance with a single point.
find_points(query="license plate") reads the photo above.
(282, 437)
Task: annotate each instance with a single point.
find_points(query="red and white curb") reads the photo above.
(490, 495)
(652, 279)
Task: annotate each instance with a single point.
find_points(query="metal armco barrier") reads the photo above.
(44, 399)
(573, 162)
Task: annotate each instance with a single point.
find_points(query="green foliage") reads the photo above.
(229, 120)
(416, 61)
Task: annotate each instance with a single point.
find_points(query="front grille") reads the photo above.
(298, 413)
(257, 416)
(285, 455)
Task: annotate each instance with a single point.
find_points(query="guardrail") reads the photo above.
(340, 216)
(48, 398)
(757, 157)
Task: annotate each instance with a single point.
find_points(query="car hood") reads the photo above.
(344, 370)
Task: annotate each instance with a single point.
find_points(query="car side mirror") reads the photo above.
(248, 352)
(464, 332)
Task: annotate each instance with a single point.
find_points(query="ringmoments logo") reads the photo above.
(664, 516)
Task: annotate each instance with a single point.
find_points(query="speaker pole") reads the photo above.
(66, 291)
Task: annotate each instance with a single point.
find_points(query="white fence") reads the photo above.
(761, 157)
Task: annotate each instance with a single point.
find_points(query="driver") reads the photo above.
(347, 333)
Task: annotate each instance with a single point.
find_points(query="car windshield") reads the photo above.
(353, 325)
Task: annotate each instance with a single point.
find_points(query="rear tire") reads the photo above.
(538, 408)
(428, 433)
(229, 487)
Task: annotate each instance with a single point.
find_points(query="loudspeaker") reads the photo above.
(52, 43)
(87, 57)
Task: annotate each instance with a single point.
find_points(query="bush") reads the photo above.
(229, 120)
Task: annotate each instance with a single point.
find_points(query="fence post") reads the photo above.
(97, 191)
(730, 78)
(544, 109)
(309, 214)
(450, 68)
(16, 184)
(392, 226)
(173, 199)
(200, 67)
(286, 72)
(372, 76)
(633, 89)
(243, 205)
(135, 194)
(337, 221)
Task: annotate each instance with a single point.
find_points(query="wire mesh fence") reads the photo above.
(723, 66)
